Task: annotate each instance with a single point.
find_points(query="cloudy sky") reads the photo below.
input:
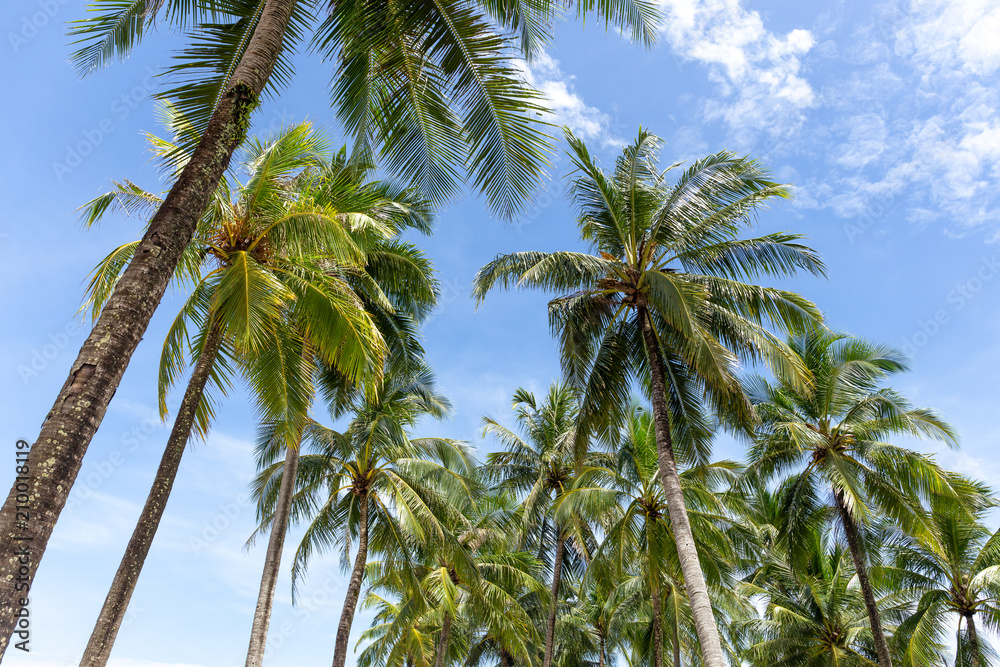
(885, 117)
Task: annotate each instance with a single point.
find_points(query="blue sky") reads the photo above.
(884, 116)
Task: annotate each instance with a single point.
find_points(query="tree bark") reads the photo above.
(973, 639)
(687, 552)
(861, 568)
(56, 457)
(505, 659)
(354, 587)
(272, 561)
(109, 621)
(442, 653)
(676, 640)
(604, 649)
(550, 631)
(657, 628)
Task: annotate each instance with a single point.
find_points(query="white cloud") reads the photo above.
(587, 122)
(929, 133)
(759, 74)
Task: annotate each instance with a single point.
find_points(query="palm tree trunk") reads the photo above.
(973, 639)
(657, 628)
(57, 454)
(604, 649)
(861, 568)
(676, 641)
(687, 552)
(445, 639)
(272, 561)
(550, 631)
(109, 621)
(505, 659)
(354, 587)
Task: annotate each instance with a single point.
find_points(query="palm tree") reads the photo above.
(638, 551)
(372, 483)
(432, 87)
(953, 571)
(264, 252)
(832, 433)
(469, 594)
(813, 618)
(541, 467)
(663, 298)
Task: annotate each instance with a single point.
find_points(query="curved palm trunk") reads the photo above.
(445, 640)
(354, 587)
(272, 561)
(973, 639)
(109, 621)
(861, 568)
(550, 631)
(694, 580)
(657, 628)
(57, 454)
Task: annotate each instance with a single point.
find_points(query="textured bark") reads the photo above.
(657, 629)
(861, 568)
(445, 640)
(973, 639)
(505, 659)
(694, 580)
(57, 454)
(354, 587)
(109, 621)
(550, 631)
(604, 649)
(272, 561)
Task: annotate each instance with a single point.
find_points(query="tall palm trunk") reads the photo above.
(354, 587)
(694, 580)
(57, 454)
(272, 561)
(550, 631)
(109, 621)
(657, 628)
(604, 648)
(861, 568)
(676, 636)
(973, 639)
(445, 640)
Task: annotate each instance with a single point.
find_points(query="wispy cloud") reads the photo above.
(759, 74)
(587, 122)
(930, 133)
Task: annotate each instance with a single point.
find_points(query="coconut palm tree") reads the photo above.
(271, 248)
(459, 605)
(541, 467)
(638, 551)
(953, 571)
(663, 297)
(813, 618)
(433, 88)
(831, 434)
(371, 483)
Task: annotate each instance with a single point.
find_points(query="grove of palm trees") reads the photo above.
(449, 368)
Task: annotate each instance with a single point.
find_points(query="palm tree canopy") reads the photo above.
(434, 88)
